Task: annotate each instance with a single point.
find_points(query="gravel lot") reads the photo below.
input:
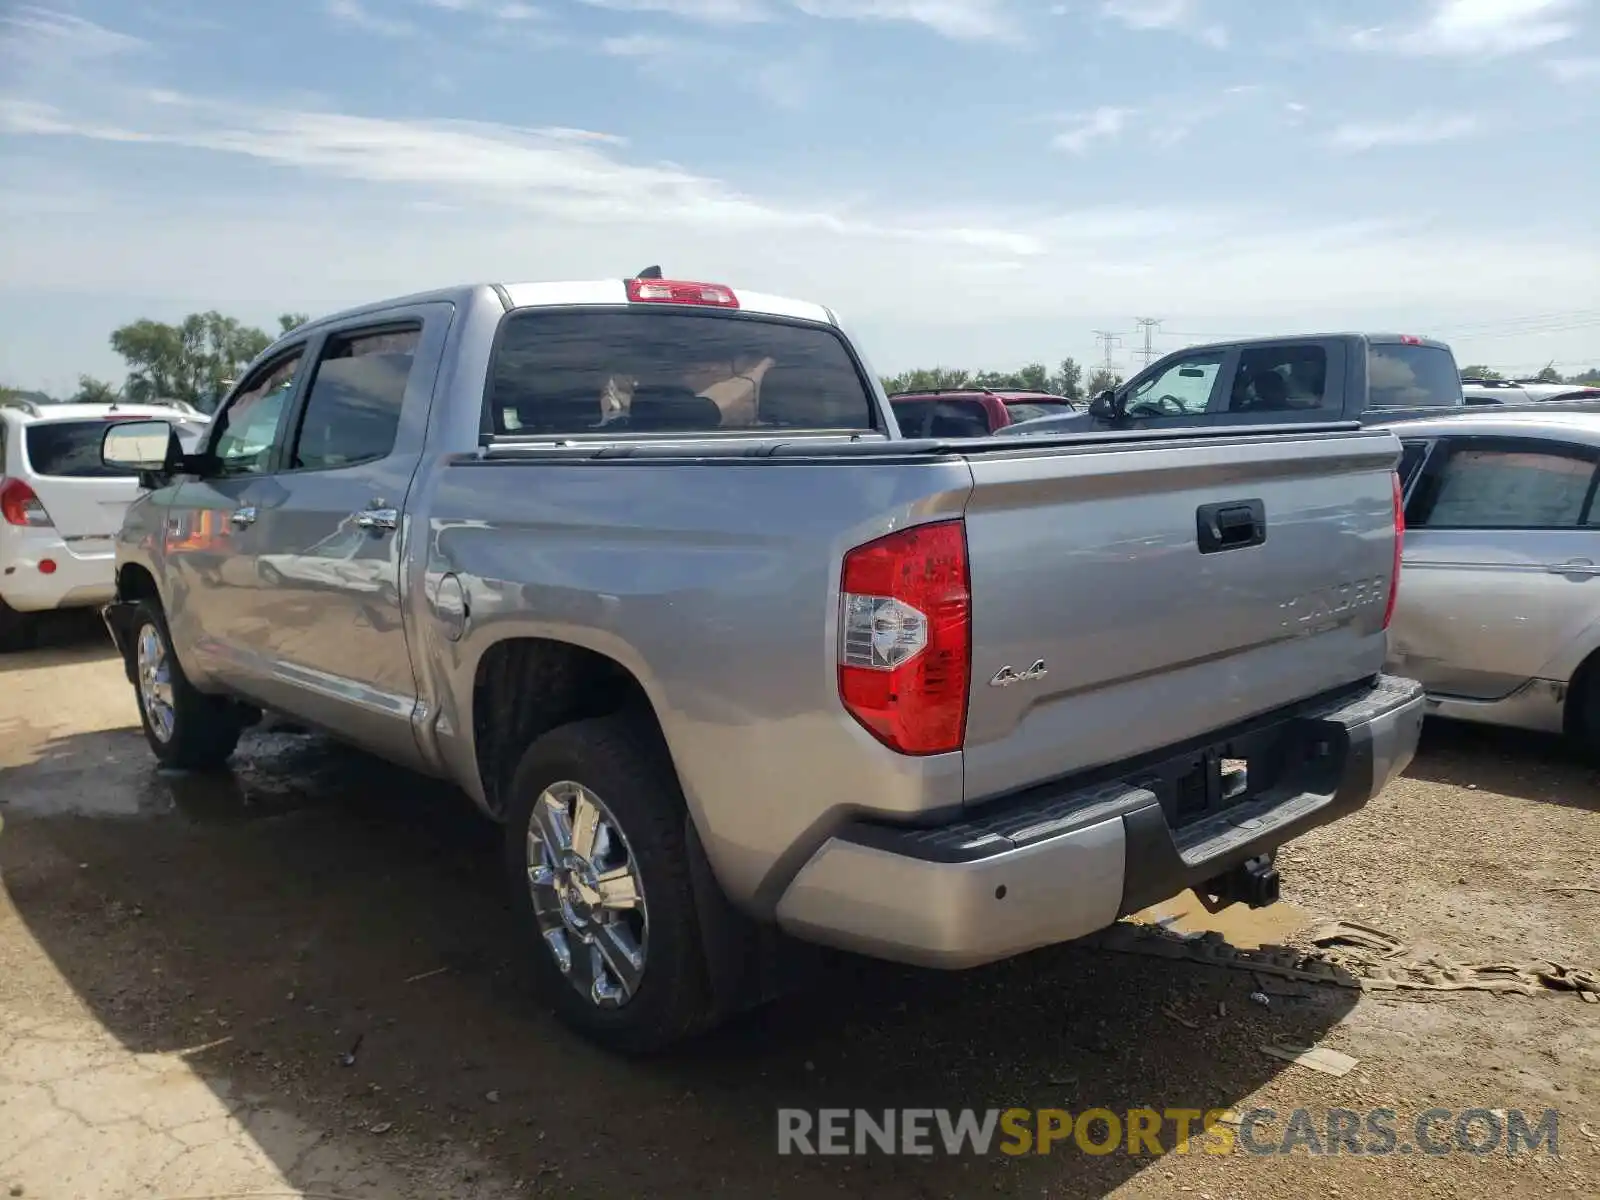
(296, 978)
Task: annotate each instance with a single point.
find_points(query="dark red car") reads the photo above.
(972, 412)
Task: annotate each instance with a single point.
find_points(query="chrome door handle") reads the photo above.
(244, 516)
(1576, 566)
(377, 518)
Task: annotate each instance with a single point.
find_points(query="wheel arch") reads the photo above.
(525, 686)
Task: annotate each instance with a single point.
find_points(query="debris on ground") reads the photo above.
(1350, 955)
(1180, 1018)
(1318, 1058)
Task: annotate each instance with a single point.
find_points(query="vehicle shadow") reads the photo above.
(61, 638)
(1507, 762)
(314, 903)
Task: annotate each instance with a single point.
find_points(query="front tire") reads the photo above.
(599, 876)
(185, 728)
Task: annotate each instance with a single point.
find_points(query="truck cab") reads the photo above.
(1288, 380)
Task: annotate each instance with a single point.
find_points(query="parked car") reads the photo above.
(60, 508)
(1500, 614)
(737, 665)
(1315, 378)
(1506, 391)
(972, 412)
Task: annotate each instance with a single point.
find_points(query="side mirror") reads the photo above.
(1104, 406)
(141, 448)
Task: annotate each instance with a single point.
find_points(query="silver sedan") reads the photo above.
(1499, 608)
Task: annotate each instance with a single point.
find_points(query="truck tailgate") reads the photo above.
(1129, 597)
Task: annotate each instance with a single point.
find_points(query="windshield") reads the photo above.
(655, 372)
(1400, 376)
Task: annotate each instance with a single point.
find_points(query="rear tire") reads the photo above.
(185, 728)
(17, 630)
(599, 875)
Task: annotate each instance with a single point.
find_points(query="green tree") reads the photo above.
(1102, 379)
(1548, 374)
(925, 379)
(188, 361)
(1590, 377)
(1068, 381)
(94, 391)
(292, 320)
(1479, 371)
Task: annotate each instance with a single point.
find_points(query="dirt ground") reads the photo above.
(299, 979)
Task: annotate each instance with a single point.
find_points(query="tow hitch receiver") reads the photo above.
(1253, 883)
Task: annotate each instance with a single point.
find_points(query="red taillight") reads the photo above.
(674, 291)
(1399, 545)
(47, 566)
(1410, 339)
(905, 637)
(20, 505)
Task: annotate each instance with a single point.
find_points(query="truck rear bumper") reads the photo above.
(1054, 864)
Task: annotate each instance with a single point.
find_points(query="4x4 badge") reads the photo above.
(1006, 676)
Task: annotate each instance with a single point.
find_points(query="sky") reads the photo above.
(977, 183)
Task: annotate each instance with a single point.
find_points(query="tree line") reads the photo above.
(192, 361)
(195, 359)
(1066, 380)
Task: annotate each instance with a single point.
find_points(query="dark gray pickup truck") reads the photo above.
(647, 569)
(1362, 377)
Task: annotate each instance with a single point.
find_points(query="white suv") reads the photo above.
(60, 507)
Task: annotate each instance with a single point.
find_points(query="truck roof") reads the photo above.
(1380, 339)
(573, 292)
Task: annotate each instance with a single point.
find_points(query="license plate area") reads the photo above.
(1290, 756)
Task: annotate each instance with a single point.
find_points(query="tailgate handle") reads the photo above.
(1231, 525)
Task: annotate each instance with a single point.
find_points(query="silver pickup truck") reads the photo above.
(647, 569)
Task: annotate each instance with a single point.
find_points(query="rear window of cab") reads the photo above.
(618, 373)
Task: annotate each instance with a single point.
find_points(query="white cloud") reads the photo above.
(713, 12)
(1103, 124)
(358, 16)
(1572, 70)
(1421, 130)
(962, 20)
(39, 38)
(1476, 29)
(499, 10)
(1178, 16)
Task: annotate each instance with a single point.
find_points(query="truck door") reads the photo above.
(332, 532)
(211, 537)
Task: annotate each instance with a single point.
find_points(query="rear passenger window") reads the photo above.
(1508, 488)
(1280, 379)
(352, 410)
(958, 419)
(622, 373)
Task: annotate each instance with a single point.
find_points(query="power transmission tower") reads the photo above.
(1111, 341)
(1148, 352)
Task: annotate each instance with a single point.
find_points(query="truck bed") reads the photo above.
(709, 568)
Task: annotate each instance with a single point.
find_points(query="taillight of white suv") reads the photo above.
(905, 637)
(20, 505)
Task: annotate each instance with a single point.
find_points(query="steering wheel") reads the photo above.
(1161, 406)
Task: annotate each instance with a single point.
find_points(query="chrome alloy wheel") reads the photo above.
(155, 682)
(587, 895)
